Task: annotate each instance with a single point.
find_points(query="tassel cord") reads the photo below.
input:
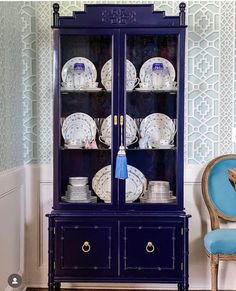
(121, 135)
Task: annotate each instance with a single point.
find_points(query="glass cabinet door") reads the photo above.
(86, 114)
(151, 90)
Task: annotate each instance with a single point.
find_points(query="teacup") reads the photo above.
(67, 85)
(131, 84)
(108, 85)
(143, 142)
(170, 84)
(164, 142)
(144, 85)
(94, 85)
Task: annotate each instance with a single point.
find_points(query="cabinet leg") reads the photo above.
(180, 287)
(50, 255)
(185, 287)
(50, 287)
(57, 286)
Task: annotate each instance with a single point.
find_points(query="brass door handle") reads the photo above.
(150, 248)
(86, 247)
(115, 119)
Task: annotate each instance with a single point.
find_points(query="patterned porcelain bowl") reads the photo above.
(78, 181)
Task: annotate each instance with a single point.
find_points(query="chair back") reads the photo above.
(219, 189)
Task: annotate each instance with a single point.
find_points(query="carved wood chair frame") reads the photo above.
(215, 216)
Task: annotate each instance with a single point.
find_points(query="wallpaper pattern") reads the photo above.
(203, 102)
(29, 81)
(11, 142)
(210, 98)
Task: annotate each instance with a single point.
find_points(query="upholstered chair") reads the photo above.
(218, 189)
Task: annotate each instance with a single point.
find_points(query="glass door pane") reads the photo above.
(151, 118)
(86, 119)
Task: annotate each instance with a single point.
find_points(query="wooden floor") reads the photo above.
(62, 289)
(43, 289)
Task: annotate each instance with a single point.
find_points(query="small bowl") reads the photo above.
(78, 181)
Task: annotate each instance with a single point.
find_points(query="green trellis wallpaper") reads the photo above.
(11, 111)
(210, 78)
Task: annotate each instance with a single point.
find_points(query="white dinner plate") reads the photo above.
(79, 126)
(106, 74)
(157, 126)
(67, 72)
(145, 73)
(135, 184)
(131, 130)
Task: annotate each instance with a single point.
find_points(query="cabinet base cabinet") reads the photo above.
(113, 249)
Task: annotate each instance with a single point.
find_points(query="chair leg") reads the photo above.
(214, 271)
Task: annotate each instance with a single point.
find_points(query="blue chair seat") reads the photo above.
(221, 241)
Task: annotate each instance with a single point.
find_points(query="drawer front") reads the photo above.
(85, 247)
(151, 249)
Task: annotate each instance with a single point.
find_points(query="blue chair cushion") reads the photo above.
(221, 191)
(221, 241)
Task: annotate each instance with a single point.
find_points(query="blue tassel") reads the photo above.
(121, 164)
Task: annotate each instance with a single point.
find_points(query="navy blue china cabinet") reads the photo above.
(118, 78)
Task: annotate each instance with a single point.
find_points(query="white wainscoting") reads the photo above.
(12, 225)
(39, 202)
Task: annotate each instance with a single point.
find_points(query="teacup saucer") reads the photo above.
(92, 89)
(80, 90)
(67, 89)
(167, 146)
(143, 89)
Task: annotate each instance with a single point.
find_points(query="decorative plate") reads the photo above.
(159, 120)
(157, 126)
(135, 184)
(79, 126)
(106, 74)
(131, 130)
(67, 72)
(145, 73)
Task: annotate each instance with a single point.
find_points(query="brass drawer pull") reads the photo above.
(150, 248)
(86, 247)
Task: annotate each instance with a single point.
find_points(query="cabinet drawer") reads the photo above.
(151, 249)
(85, 248)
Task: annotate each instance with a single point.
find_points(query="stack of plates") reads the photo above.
(159, 130)
(158, 192)
(78, 191)
(77, 129)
